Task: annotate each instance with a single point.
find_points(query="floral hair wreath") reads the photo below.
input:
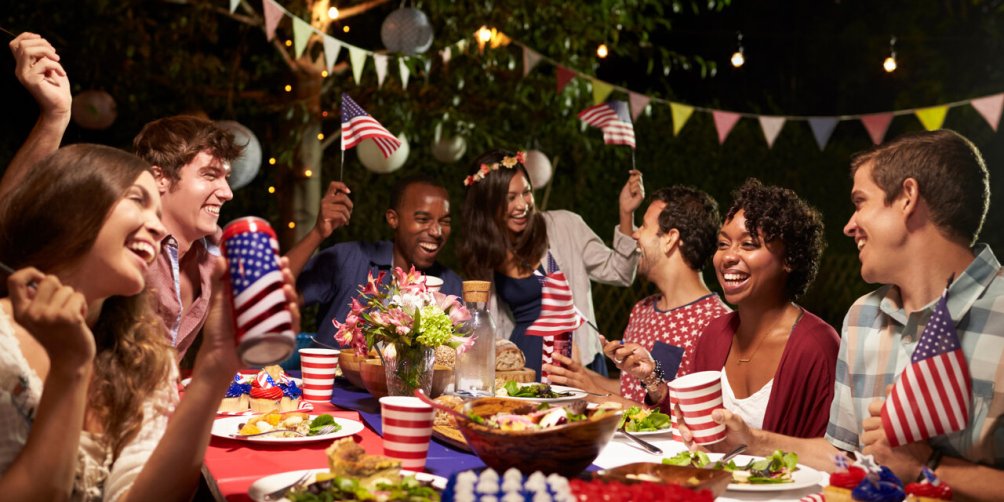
(507, 162)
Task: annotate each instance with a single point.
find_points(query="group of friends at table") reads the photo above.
(117, 272)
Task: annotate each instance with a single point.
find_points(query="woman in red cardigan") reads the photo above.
(777, 360)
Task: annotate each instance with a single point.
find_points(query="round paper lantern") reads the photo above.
(244, 168)
(407, 30)
(373, 159)
(538, 166)
(93, 110)
(449, 149)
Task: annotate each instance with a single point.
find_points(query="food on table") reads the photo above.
(842, 482)
(446, 357)
(638, 419)
(508, 357)
(296, 424)
(931, 489)
(776, 468)
(237, 398)
(867, 482)
(534, 418)
(684, 458)
(888, 488)
(442, 418)
(348, 459)
(532, 390)
(269, 390)
(600, 491)
(513, 486)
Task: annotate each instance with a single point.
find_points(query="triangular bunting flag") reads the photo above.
(233, 5)
(380, 61)
(273, 14)
(724, 122)
(331, 49)
(301, 33)
(446, 54)
(822, 129)
(771, 128)
(877, 124)
(358, 58)
(990, 108)
(932, 117)
(601, 90)
(681, 113)
(530, 59)
(405, 72)
(638, 103)
(564, 77)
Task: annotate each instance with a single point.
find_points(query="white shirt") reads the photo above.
(751, 409)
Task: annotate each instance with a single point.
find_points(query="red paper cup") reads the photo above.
(697, 395)
(407, 427)
(317, 368)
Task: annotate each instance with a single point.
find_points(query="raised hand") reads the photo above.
(54, 314)
(633, 192)
(336, 209)
(39, 71)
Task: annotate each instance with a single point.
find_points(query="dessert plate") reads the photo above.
(228, 427)
(804, 477)
(269, 484)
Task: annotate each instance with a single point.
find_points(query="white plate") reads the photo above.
(304, 406)
(804, 477)
(574, 394)
(667, 430)
(269, 484)
(228, 427)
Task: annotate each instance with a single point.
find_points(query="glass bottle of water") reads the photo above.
(475, 368)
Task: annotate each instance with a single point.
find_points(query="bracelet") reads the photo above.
(655, 378)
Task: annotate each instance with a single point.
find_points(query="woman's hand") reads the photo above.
(56, 315)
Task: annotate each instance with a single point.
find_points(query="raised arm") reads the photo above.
(39, 71)
(335, 212)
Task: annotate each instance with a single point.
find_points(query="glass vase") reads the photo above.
(409, 368)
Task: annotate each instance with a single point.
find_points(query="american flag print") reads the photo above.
(931, 396)
(557, 311)
(358, 125)
(256, 280)
(614, 119)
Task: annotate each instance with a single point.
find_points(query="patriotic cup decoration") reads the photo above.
(407, 427)
(263, 324)
(697, 395)
(317, 368)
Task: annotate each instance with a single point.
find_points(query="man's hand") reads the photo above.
(571, 373)
(39, 71)
(630, 358)
(905, 461)
(336, 209)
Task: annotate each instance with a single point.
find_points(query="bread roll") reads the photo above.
(444, 418)
(446, 356)
(508, 357)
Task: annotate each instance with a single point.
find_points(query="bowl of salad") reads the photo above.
(552, 438)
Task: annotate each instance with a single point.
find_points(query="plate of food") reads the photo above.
(353, 475)
(644, 422)
(539, 392)
(780, 471)
(291, 427)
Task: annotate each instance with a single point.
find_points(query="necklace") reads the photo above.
(749, 358)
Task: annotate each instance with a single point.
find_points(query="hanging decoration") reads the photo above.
(245, 167)
(446, 148)
(93, 110)
(372, 158)
(538, 166)
(407, 31)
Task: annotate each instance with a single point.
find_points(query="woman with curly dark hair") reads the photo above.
(777, 360)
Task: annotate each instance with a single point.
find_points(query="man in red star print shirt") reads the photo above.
(676, 239)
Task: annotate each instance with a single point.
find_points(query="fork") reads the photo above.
(281, 492)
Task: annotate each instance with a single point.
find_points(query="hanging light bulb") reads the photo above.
(602, 51)
(738, 57)
(889, 65)
(484, 35)
(333, 13)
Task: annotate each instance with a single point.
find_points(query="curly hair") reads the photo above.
(486, 238)
(778, 214)
(133, 357)
(694, 214)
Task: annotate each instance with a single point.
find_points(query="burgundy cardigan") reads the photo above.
(800, 398)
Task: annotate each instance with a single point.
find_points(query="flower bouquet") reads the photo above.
(405, 322)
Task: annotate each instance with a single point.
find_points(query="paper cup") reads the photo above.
(697, 395)
(433, 283)
(317, 368)
(407, 427)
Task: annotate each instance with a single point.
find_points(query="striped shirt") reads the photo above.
(879, 337)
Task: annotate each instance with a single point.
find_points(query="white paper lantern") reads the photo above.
(538, 166)
(407, 30)
(372, 158)
(94, 110)
(449, 149)
(244, 168)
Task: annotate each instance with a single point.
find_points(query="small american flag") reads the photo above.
(613, 119)
(557, 311)
(259, 302)
(931, 396)
(358, 125)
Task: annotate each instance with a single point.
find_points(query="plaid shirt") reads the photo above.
(879, 337)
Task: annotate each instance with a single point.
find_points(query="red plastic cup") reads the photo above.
(407, 428)
(317, 369)
(697, 395)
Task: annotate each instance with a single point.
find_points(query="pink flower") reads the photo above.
(521, 157)
(372, 287)
(400, 321)
(464, 343)
(485, 169)
(412, 282)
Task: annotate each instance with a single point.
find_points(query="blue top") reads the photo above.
(332, 278)
(523, 298)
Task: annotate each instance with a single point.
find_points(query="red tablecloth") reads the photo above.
(230, 466)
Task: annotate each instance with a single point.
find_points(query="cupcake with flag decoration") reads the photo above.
(929, 489)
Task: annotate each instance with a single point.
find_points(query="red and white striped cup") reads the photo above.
(433, 283)
(697, 395)
(407, 427)
(317, 368)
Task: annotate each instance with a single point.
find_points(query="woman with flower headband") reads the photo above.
(509, 242)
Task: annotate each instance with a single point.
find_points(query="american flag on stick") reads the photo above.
(358, 125)
(557, 311)
(931, 396)
(259, 302)
(613, 119)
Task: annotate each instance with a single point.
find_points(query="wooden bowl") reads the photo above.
(374, 378)
(349, 362)
(566, 449)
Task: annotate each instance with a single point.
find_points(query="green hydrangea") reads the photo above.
(434, 328)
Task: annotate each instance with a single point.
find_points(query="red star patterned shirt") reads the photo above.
(679, 327)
